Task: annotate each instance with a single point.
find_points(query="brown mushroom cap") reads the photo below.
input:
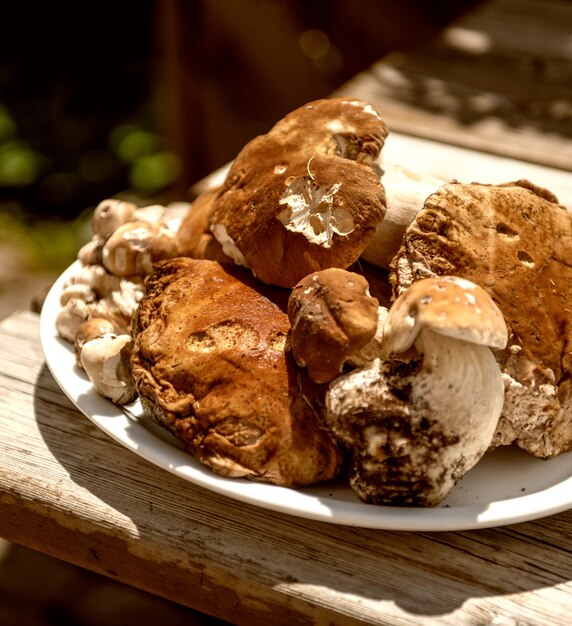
(332, 316)
(449, 306)
(109, 215)
(211, 365)
(516, 242)
(305, 196)
(194, 237)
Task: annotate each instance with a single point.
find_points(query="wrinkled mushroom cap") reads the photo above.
(448, 305)
(305, 196)
(211, 365)
(333, 316)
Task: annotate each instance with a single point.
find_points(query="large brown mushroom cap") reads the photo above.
(516, 242)
(211, 365)
(305, 196)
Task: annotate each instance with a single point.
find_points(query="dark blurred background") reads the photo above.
(147, 97)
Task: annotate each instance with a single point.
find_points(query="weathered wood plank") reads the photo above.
(498, 80)
(68, 490)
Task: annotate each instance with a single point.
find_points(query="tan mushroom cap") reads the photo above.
(109, 215)
(88, 330)
(333, 316)
(448, 305)
(305, 196)
(133, 248)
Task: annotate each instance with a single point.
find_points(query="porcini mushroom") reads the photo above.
(514, 240)
(333, 316)
(106, 361)
(416, 423)
(305, 196)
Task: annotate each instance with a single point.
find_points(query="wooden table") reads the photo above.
(68, 490)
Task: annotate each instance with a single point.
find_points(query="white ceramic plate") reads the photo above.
(507, 486)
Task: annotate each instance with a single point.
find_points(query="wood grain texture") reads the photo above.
(498, 80)
(67, 490)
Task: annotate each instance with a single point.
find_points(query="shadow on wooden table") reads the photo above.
(516, 552)
(38, 590)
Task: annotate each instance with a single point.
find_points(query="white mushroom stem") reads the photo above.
(460, 387)
(106, 361)
(405, 193)
(419, 418)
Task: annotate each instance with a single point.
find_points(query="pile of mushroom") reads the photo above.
(416, 387)
(99, 299)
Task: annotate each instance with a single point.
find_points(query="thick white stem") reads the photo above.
(461, 383)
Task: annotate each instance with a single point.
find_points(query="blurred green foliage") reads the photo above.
(77, 122)
(51, 243)
(45, 245)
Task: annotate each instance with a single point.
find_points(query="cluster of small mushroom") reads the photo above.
(99, 299)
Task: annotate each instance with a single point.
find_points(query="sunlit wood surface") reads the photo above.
(498, 80)
(68, 490)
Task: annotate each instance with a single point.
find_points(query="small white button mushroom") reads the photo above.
(106, 361)
(416, 424)
(88, 330)
(72, 314)
(90, 252)
(77, 291)
(109, 215)
(134, 247)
